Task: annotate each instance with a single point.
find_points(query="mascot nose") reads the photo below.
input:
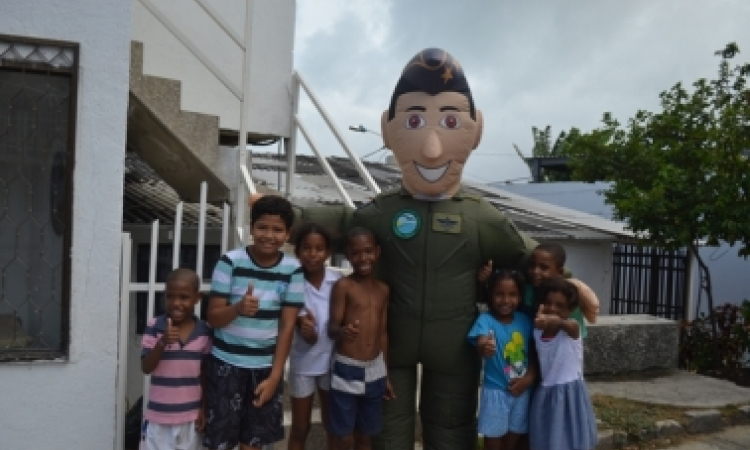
(432, 148)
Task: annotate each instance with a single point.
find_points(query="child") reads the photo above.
(256, 294)
(359, 379)
(562, 417)
(174, 345)
(501, 336)
(310, 358)
(548, 260)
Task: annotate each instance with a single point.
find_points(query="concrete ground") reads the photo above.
(677, 388)
(735, 438)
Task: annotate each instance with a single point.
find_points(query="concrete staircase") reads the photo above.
(181, 146)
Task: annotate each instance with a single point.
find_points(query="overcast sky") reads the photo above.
(529, 63)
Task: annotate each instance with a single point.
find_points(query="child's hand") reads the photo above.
(171, 334)
(264, 392)
(517, 386)
(545, 320)
(486, 345)
(307, 328)
(484, 272)
(249, 304)
(200, 422)
(390, 394)
(351, 331)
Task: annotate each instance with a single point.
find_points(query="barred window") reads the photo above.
(37, 149)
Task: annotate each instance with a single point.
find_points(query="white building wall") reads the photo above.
(591, 261)
(71, 404)
(168, 54)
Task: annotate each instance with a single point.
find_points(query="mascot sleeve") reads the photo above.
(500, 240)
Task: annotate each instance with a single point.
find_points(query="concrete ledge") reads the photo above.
(706, 421)
(631, 343)
(668, 428)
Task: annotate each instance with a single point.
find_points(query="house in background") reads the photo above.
(728, 270)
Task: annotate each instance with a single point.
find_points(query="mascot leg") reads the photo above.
(399, 414)
(448, 408)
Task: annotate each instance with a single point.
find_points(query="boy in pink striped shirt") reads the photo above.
(174, 345)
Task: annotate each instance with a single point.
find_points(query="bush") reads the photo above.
(726, 356)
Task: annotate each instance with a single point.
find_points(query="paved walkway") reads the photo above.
(678, 388)
(736, 438)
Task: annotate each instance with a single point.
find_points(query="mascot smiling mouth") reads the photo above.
(432, 175)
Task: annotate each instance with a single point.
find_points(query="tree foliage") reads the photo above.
(681, 175)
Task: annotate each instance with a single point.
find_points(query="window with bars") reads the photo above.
(37, 148)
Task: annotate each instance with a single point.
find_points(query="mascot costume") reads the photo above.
(434, 238)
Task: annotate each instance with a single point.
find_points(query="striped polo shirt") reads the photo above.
(175, 393)
(250, 342)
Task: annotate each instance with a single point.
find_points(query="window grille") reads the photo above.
(37, 146)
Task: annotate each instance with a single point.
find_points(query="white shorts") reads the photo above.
(180, 436)
(301, 386)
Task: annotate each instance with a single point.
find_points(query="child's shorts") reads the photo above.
(500, 412)
(356, 396)
(231, 417)
(180, 436)
(301, 386)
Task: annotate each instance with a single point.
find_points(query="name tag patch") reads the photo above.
(446, 223)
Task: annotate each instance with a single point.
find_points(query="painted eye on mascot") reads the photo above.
(414, 121)
(450, 122)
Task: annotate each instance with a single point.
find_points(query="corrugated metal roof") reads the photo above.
(147, 197)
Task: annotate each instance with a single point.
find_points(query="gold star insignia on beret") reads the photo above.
(447, 75)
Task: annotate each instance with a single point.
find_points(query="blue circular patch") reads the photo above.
(406, 223)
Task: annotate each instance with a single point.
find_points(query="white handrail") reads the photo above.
(363, 172)
(161, 17)
(224, 25)
(323, 162)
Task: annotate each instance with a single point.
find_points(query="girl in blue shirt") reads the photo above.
(502, 336)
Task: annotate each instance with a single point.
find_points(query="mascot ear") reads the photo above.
(384, 129)
(480, 128)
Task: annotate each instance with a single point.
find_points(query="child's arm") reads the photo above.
(150, 360)
(389, 394)
(336, 329)
(552, 324)
(587, 299)
(267, 387)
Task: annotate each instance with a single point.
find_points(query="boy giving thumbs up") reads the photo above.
(174, 346)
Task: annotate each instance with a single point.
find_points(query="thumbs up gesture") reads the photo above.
(171, 334)
(544, 319)
(487, 345)
(484, 272)
(351, 331)
(249, 304)
(307, 327)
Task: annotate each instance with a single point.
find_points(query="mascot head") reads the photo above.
(431, 125)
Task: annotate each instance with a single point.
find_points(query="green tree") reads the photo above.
(680, 176)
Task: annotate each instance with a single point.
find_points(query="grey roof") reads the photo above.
(148, 197)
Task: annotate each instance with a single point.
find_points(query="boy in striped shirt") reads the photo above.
(174, 345)
(256, 294)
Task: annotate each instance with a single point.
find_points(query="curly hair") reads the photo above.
(273, 205)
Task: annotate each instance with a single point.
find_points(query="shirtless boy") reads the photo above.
(359, 378)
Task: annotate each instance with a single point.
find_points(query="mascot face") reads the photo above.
(432, 126)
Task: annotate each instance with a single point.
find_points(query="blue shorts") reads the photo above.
(356, 395)
(500, 412)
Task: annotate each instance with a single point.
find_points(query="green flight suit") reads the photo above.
(431, 252)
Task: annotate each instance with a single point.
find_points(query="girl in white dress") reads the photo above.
(562, 417)
(310, 356)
